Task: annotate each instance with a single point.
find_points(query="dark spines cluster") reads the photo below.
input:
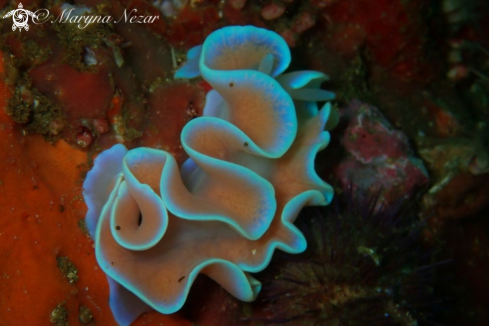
(365, 265)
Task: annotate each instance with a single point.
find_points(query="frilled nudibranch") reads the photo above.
(250, 170)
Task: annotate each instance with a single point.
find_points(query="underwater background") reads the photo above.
(404, 241)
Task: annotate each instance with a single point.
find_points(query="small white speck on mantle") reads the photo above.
(253, 252)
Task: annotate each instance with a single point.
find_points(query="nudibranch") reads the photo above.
(250, 170)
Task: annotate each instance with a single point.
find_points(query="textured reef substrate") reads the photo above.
(422, 64)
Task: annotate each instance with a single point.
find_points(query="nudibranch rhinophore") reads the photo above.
(250, 171)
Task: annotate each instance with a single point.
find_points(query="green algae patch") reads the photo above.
(35, 111)
(79, 42)
(59, 316)
(85, 316)
(30, 50)
(83, 227)
(131, 134)
(69, 270)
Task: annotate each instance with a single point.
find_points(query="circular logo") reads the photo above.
(20, 17)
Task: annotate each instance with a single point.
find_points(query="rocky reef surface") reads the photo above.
(412, 86)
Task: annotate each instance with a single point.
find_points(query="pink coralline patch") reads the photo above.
(379, 158)
(367, 133)
(237, 4)
(303, 22)
(56, 126)
(272, 11)
(84, 138)
(101, 125)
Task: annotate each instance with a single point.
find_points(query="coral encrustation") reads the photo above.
(233, 202)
